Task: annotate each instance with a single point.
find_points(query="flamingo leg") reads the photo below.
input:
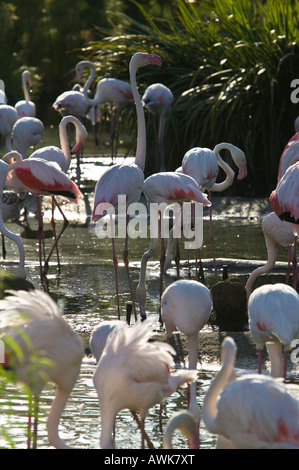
(259, 361)
(162, 262)
(144, 436)
(285, 364)
(115, 264)
(40, 234)
(126, 262)
(57, 238)
(212, 240)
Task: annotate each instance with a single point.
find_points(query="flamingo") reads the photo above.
(125, 179)
(289, 156)
(26, 107)
(284, 201)
(34, 322)
(20, 272)
(182, 420)
(94, 114)
(273, 311)
(165, 187)
(251, 412)
(39, 177)
(203, 164)
(8, 116)
(3, 97)
(158, 99)
(186, 306)
(116, 93)
(99, 336)
(276, 232)
(134, 373)
(27, 132)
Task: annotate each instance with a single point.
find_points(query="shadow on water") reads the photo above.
(85, 292)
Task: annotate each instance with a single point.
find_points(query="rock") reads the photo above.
(229, 305)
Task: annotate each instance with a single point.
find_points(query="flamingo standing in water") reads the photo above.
(158, 99)
(34, 322)
(276, 232)
(289, 156)
(125, 179)
(20, 272)
(134, 373)
(116, 93)
(39, 177)
(165, 188)
(251, 412)
(284, 201)
(26, 107)
(203, 165)
(186, 306)
(273, 311)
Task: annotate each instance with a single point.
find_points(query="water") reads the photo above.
(84, 290)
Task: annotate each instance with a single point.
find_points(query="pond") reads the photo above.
(84, 290)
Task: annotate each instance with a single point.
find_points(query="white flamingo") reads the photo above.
(125, 179)
(186, 306)
(165, 187)
(8, 116)
(34, 322)
(134, 373)
(26, 107)
(276, 232)
(251, 412)
(27, 132)
(203, 165)
(158, 99)
(273, 311)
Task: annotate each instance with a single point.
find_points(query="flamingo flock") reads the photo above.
(133, 370)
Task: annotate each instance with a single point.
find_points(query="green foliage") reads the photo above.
(229, 64)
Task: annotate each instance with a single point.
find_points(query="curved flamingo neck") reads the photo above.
(141, 129)
(64, 142)
(209, 409)
(91, 77)
(26, 78)
(54, 418)
(230, 174)
(272, 248)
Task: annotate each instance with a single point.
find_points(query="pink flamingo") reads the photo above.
(273, 311)
(138, 371)
(203, 165)
(252, 411)
(186, 306)
(276, 232)
(165, 187)
(284, 200)
(289, 156)
(34, 323)
(26, 107)
(125, 179)
(158, 99)
(63, 158)
(40, 177)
